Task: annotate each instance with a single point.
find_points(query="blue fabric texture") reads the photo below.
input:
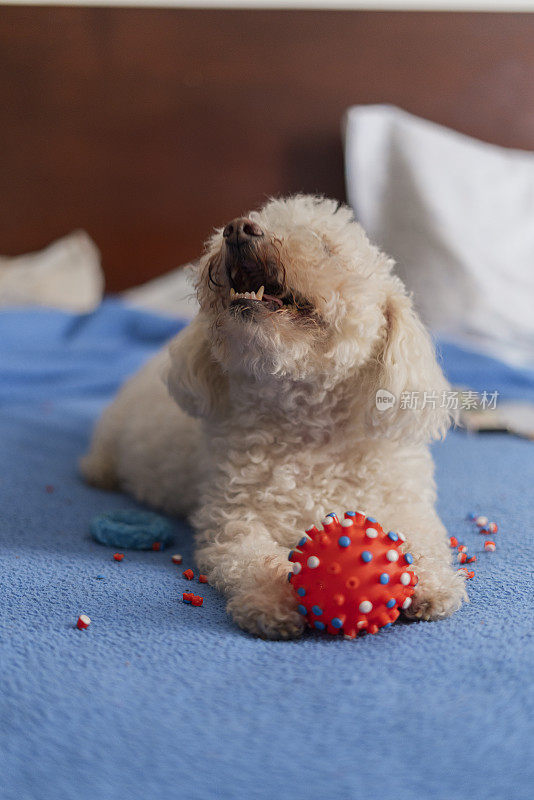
(465, 367)
(161, 699)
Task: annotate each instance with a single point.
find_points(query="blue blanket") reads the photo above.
(158, 700)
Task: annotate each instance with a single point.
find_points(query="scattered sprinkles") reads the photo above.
(176, 558)
(83, 622)
(485, 528)
(118, 556)
(192, 599)
(188, 574)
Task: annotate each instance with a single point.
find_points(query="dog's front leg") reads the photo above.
(441, 588)
(244, 562)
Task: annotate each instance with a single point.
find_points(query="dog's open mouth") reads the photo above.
(253, 286)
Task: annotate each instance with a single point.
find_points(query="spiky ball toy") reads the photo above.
(351, 577)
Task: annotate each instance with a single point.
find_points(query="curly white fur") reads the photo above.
(273, 421)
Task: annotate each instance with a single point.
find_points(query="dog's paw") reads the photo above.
(438, 595)
(269, 608)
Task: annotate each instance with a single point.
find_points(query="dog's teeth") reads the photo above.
(232, 292)
(259, 293)
(253, 295)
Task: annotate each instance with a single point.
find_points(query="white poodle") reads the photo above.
(268, 418)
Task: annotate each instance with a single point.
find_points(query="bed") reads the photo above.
(157, 699)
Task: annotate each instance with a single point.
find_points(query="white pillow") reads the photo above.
(458, 216)
(65, 275)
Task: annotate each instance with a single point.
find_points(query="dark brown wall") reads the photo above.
(148, 127)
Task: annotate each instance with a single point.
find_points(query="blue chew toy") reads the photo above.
(132, 529)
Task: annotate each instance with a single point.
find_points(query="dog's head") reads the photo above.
(296, 291)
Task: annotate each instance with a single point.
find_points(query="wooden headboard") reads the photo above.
(149, 127)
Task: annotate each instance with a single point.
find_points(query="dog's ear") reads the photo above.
(194, 379)
(406, 389)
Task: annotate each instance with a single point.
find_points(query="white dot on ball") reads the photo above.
(405, 578)
(372, 533)
(313, 562)
(347, 523)
(327, 521)
(296, 568)
(392, 555)
(407, 603)
(402, 537)
(365, 606)
(360, 624)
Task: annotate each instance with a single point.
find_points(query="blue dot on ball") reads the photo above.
(387, 625)
(343, 541)
(393, 536)
(301, 590)
(319, 625)
(302, 541)
(351, 513)
(384, 578)
(336, 622)
(302, 609)
(408, 558)
(371, 519)
(367, 556)
(317, 610)
(289, 576)
(390, 603)
(290, 554)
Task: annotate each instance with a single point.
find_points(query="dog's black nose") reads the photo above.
(241, 230)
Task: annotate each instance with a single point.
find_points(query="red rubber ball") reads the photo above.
(351, 577)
